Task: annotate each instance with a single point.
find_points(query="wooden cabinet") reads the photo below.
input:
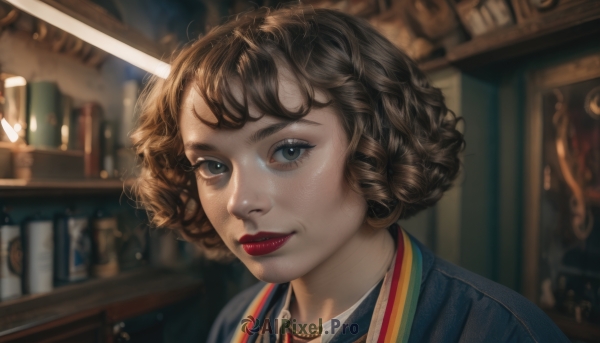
(89, 311)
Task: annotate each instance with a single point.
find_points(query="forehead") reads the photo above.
(318, 122)
(288, 89)
(192, 129)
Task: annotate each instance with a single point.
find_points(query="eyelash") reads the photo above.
(292, 144)
(287, 144)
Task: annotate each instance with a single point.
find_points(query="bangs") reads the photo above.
(403, 145)
(244, 69)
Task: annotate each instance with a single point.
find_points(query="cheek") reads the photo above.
(318, 192)
(214, 205)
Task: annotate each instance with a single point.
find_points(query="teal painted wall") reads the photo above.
(493, 101)
(511, 114)
(479, 212)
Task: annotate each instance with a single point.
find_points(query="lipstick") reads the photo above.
(263, 242)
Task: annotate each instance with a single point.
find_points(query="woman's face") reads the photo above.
(274, 190)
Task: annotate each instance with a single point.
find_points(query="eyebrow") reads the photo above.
(274, 128)
(257, 136)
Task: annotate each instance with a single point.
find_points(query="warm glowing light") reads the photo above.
(93, 36)
(18, 127)
(15, 81)
(10, 132)
(33, 124)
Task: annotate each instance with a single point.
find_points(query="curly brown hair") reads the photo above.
(403, 143)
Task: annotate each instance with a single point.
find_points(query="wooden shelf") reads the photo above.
(24, 188)
(543, 32)
(586, 332)
(115, 299)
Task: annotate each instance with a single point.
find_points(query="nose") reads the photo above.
(249, 198)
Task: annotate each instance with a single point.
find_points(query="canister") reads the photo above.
(11, 258)
(73, 249)
(45, 118)
(104, 247)
(38, 254)
(89, 137)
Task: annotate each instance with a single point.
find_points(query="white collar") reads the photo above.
(326, 336)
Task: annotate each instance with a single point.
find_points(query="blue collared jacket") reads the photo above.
(454, 305)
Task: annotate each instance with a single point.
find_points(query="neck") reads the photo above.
(341, 280)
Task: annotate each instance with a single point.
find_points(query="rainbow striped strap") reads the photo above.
(397, 302)
(395, 308)
(252, 319)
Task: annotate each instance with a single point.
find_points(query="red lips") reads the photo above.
(263, 242)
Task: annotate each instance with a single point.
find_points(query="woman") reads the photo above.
(294, 139)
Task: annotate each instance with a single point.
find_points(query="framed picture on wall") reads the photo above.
(561, 271)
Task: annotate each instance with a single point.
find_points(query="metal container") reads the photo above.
(38, 254)
(89, 137)
(104, 247)
(73, 249)
(11, 258)
(44, 115)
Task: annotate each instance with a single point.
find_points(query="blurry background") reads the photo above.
(80, 264)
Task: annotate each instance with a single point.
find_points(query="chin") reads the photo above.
(276, 269)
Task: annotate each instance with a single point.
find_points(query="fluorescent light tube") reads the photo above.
(93, 36)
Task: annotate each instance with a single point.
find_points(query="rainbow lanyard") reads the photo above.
(395, 308)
